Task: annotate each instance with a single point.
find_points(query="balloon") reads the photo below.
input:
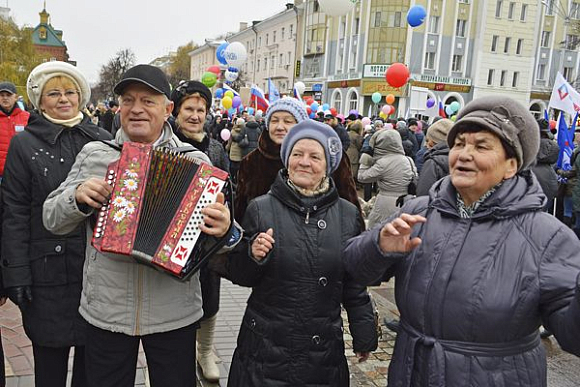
(325, 106)
(300, 87)
(225, 134)
(386, 109)
(383, 115)
(259, 112)
(453, 118)
(388, 125)
(455, 106)
(449, 110)
(308, 110)
(366, 121)
(236, 102)
(309, 101)
(333, 111)
(251, 111)
(337, 7)
(340, 117)
(236, 54)
(390, 99)
(353, 112)
(397, 75)
(231, 111)
(552, 124)
(227, 102)
(209, 79)
(416, 15)
(229, 93)
(219, 93)
(231, 74)
(376, 97)
(314, 106)
(214, 69)
(392, 109)
(312, 115)
(430, 103)
(220, 53)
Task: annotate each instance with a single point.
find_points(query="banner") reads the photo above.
(564, 97)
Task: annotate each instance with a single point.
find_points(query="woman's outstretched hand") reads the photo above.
(395, 236)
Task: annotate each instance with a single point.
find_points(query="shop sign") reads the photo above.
(441, 79)
(375, 70)
(370, 87)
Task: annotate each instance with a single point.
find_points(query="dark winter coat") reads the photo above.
(409, 142)
(252, 131)
(343, 135)
(39, 159)
(435, 167)
(544, 168)
(474, 293)
(259, 169)
(291, 333)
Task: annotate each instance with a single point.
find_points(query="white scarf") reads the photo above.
(68, 123)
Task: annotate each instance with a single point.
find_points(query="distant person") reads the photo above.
(13, 119)
(109, 116)
(436, 160)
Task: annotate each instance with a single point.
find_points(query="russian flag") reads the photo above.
(297, 94)
(259, 97)
(566, 142)
(226, 88)
(441, 110)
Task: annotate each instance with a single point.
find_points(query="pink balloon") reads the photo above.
(366, 121)
(225, 134)
(386, 109)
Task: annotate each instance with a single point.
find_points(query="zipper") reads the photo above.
(138, 300)
(307, 219)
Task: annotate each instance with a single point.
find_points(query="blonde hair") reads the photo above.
(61, 81)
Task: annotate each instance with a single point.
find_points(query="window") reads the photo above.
(316, 6)
(506, 47)
(281, 61)
(258, 65)
(515, 79)
(541, 71)
(267, 39)
(511, 10)
(519, 46)
(498, 8)
(574, 11)
(568, 73)
(549, 6)
(356, 26)
(430, 60)
(434, 24)
(377, 19)
(571, 42)
(502, 77)
(494, 40)
(490, 77)
(291, 31)
(353, 101)
(395, 19)
(265, 63)
(260, 41)
(282, 33)
(274, 37)
(457, 61)
(460, 28)
(289, 57)
(337, 101)
(545, 39)
(524, 12)
(273, 62)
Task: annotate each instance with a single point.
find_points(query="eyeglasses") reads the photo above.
(56, 94)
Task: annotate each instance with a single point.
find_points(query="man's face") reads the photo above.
(329, 121)
(143, 113)
(7, 100)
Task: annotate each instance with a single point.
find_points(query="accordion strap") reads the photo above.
(112, 144)
(180, 149)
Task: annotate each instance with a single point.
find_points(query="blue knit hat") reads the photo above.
(319, 132)
(290, 105)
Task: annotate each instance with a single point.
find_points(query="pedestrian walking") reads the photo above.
(482, 260)
(43, 271)
(291, 333)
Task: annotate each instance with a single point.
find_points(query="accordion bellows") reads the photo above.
(155, 209)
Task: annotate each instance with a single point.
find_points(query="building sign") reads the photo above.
(370, 87)
(317, 87)
(375, 70)
(297, 72)
(344, 76)
(343, 84)
(441, 79)
(443, 87)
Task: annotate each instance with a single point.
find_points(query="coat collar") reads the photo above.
(267, 147)
(283, 192)
(50, 132)
(166, 136)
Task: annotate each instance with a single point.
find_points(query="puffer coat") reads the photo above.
(252, 131)
(474, 293)
(544, 168)
(435, 167)
(291, 333)
(39, 159)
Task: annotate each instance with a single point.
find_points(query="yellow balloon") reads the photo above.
(383, 115)
(230, 94)
(227, 102)
(453, 118)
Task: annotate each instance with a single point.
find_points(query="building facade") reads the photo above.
(48, 41)
(203, 57)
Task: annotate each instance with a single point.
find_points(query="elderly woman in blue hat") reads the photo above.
(291, 332)
(478, 265)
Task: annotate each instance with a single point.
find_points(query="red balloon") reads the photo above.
(397, 75)
(552, 124)
(333, 111)
(392, 109)
(310, 101)
(214, 69)
(308, 110)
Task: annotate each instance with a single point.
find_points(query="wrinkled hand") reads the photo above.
(362, 356)
(93, 192)
(20, 295)
(3, 300)
(262, 244)
(216, 218)
(395, 236)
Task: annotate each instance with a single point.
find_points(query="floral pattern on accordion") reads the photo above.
(126, 197)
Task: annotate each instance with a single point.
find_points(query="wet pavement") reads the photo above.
(563, 369)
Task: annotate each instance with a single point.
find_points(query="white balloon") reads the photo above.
(231, 76)
(301, 87)
(235, 54)
(337, 7)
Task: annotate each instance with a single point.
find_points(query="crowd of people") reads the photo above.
(472, 219)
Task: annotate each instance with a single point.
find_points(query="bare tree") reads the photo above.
(179, 68)
(111, 73)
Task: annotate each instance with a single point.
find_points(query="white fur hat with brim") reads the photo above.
(47, 70)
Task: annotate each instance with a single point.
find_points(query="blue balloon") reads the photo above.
(416, 15)
(313, 115)
(220, 53)
(231, 111)
(325, 107)
(251, 111)
(449, 110)
(219, 93)
(314, 106)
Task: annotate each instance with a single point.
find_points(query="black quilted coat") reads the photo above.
(292, 334)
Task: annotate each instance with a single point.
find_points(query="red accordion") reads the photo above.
(154, 211)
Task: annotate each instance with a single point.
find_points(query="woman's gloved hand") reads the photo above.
(20, 295)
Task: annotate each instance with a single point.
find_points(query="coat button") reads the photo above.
(316, 339)
(58, 248)
(323, 281)
(253, 323)
(322, 224)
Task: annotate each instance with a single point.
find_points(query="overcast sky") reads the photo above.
(94, 30)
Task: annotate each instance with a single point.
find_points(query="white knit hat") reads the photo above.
(47, 70)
